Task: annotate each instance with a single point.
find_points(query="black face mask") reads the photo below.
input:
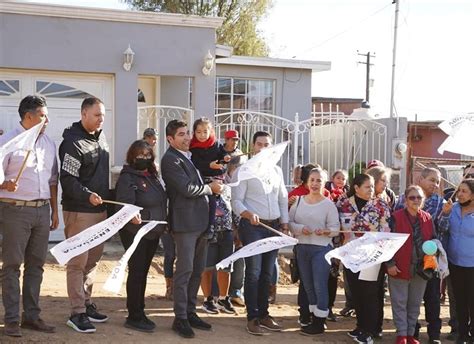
(465, 204)
(142, 164)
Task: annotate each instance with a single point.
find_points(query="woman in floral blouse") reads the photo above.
(361, 212)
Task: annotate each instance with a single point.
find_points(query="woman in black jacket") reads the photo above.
(138, 184)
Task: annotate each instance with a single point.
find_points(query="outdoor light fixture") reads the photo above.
(128, 58)
(208, 63)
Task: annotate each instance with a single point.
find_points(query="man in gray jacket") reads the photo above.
(188, 221)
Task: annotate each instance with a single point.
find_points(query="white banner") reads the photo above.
(459, 129)
(115, 280)
(371, 249)
(24, 141)
(258, 247)
(94, 235)
(261, 166)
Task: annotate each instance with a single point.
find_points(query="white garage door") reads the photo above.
(64, 93)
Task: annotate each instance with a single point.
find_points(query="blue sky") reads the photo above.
(435, 54)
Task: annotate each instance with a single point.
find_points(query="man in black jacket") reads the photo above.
(188, 221)
(84, 178)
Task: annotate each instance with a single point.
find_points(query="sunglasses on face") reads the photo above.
(415, 198)
(469, 176)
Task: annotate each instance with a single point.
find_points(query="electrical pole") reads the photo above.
(392, 92)
(367, 74)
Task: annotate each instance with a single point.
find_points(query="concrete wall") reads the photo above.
(292, 93)
(78, 45)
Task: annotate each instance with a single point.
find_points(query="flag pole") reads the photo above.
(23, 166)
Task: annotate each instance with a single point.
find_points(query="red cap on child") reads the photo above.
(231, 134)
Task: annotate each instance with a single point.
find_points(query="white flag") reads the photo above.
(258, 247)
(371, 249)
(115, 280)
(24, 141)
(94, 235)
(261, 166)
(459, 129)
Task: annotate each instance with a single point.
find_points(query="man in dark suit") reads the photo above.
(188, 220)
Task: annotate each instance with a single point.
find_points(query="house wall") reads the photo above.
(292, 86)
(90, 46)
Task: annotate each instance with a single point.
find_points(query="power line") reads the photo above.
(344, 31)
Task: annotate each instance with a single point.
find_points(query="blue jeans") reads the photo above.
(258, 270)
(314, 272)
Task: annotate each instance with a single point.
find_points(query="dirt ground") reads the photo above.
(226, 328)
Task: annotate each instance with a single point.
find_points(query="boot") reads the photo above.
(272, 293)
(169, 289)
(316, 326)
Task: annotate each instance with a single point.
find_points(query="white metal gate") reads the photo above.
(158, 116)
(330, 139)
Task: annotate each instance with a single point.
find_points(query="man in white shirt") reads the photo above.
(260, 201)
(29, 210)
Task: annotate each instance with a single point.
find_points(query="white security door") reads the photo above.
(64, 93)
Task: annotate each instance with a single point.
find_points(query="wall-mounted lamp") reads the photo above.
(208, 63)
(128, 58)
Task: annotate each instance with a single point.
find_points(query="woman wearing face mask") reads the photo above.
(457, 221)
(138, 184)
(361, 212)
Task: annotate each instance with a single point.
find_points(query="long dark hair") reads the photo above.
(358, 180)
(135, 149)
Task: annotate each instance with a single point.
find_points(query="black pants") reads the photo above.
(462, 280)
(332, 290)
(367, 299)
(138, 267)
(432, 308)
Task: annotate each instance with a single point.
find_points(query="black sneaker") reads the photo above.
(209, 306)
(354, 333)
(94, 316)
(331, 316)
(304, 320)
(182, 327)
(347, 312)
(140, 325)
(364, 338)
(196, 322)
(80, 323)
(225, 305)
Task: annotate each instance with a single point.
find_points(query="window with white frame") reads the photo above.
(237, 94)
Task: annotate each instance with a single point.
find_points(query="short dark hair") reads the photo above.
(305, 171)
(259, 134)
(173, 126)
(135, 149)
(90, 101)
(469, 183)
(30, 104)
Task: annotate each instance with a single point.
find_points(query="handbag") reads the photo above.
(426, 274)
(294, 272)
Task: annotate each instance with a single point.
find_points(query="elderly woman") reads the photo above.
(458, 221)
(138, 184)
(381, 177)
(406, 286)
(361, 212)
(314, 221)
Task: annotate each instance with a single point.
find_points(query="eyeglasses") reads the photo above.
(415, 198)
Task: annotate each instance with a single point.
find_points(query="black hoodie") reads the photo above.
(84, 169)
